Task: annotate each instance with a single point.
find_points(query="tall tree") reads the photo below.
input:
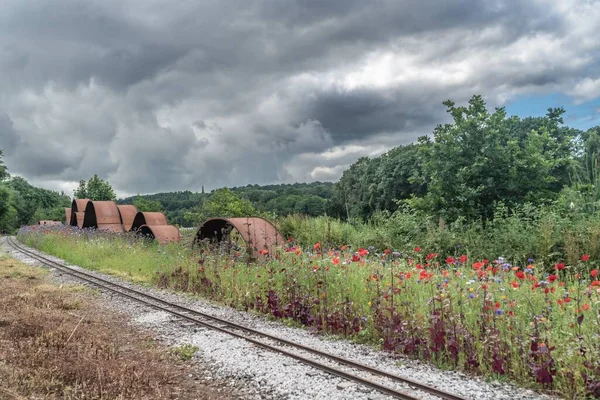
(95, 189)
(484, 158)
(3, 171)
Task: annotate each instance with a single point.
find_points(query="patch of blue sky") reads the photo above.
(581, 116)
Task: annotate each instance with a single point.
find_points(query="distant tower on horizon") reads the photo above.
(202, 189)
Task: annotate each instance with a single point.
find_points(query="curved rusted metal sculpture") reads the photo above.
(148, 218)
(78, 211)
(162, 233)
(128, 213)
(67, 216)
(258, 233)
(103, 215)
(49, 222)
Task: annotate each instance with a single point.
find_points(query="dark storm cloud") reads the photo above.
(8, 136)
(157, 95)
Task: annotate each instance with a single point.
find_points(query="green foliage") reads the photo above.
(8, 214)
(185, 352)
(146, 205)
(221, 203)
(305, 198)
(3, 172)
(372, 185)
(24, 204)
(95, 189)
(482, 159)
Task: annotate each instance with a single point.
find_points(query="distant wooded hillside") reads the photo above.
(304, 198)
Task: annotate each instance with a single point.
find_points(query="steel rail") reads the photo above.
(108, 285)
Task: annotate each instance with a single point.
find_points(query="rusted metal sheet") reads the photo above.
(67, 216)
(128, 213)
(162, 233)
(258, 233)
(49, 222)
(148, 218)
(103, 215)
(77, 212)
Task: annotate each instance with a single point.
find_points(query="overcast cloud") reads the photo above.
(159, 95)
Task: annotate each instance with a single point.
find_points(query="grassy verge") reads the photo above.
(56, 343)
(536, 324)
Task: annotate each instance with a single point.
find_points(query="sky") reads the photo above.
(157, 95)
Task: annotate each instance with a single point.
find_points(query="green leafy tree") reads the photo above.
(221, 203)
(485, 158)
(143, 204)
(95, 189)
(3, 171)
(81, 191)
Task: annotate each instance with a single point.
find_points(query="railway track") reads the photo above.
(266, 341)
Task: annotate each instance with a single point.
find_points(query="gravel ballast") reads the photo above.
(267, 375)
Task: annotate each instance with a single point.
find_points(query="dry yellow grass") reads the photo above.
(57, 343)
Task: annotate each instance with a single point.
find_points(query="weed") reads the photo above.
(185, 352)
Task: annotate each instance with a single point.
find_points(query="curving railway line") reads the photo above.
(332, 364)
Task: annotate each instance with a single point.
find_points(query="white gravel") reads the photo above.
(267, 375)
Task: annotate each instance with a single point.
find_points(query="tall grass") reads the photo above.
(545, 234)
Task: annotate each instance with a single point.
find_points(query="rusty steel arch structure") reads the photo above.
(49, 222)
(103, 215)
(148, 218)
(67, 216)
(78, 212)
(161, 233)
(258, 233)
(128, 213)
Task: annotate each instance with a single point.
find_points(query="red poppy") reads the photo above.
(387, 251)
(417, 249)
(484, 287)
(514, 284)
(317, 246)
(363, 252)
(478, 265)
(355, 257)
(463, 259)
(594, 273)
(425, 275)
(595, 283)
(263, 252)
(520, 275)
(336, 260)
(585, 257)
(430, 256)
(567, 299)
(552, 278)
(450, 260)
(419, 266)
(315, 268)
(497, 305)
(585, 307)
(559, 266)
